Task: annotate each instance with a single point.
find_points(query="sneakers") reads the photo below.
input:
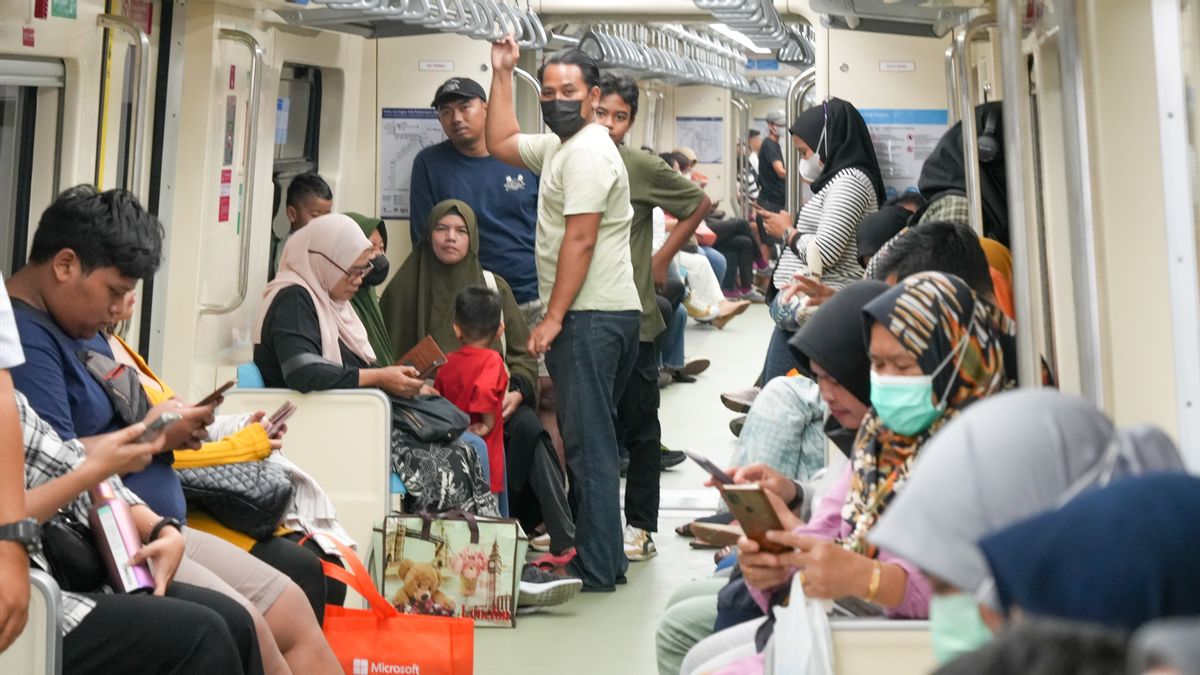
(549, 561)
(638, 544)
(740, 401)
(672, 458)
(698, 310)
(736, 424)
(543, 589)
(666, 377)
(540, 543)
(754, 295)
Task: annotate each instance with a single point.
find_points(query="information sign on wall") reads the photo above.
(403, 133)
(903, 139)
(704, 135)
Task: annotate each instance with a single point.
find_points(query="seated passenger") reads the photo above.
(420, 301)
(838, 158)
(89, 251)
(1047, 647)
(830, 346)
(943, 178)
(1120, 556)
(240, 438)
(953, 360)
(982, 473)
(309, 339)
(366, 301)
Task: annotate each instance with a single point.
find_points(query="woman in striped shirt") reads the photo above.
(838, 158)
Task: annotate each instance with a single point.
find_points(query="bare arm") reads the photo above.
(14, 563)
(777, 165)
(574, 260)
(502, 131)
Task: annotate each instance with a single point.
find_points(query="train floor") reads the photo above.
(601, 633)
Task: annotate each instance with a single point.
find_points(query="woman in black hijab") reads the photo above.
(944, 180)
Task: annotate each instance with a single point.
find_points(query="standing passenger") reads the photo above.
(308, 197)
(772, 176)
(652, 183)
(589, 333)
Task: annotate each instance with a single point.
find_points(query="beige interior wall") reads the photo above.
(400, 84)
(850, 70)
(1130, 219)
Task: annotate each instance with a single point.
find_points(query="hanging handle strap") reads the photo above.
(357, 577)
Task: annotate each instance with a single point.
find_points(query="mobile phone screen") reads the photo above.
(216, 393)
(713, 470)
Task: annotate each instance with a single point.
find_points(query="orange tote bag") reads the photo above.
(382, 640)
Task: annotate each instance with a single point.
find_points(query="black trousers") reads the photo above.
(302, 564)
(638, 430)
(192, 630)
(537, 490)
(734, 241)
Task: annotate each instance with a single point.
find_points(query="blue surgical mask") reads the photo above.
(905, 402)
(956, 626)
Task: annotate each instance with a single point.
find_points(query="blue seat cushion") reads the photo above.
(249, 377)
(398, 485)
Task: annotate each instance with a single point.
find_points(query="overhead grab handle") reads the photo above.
(245, 208)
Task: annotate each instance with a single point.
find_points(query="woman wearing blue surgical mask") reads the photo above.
(934, 346)
(1008, 458)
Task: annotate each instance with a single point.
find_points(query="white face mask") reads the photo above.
(812, 166)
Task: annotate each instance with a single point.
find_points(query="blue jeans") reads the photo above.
(779, 356)
(717, 260)
(590, 362)
(673, 355)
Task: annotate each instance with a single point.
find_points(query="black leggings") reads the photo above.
(736, 243)
(192, 630)
(302, 564)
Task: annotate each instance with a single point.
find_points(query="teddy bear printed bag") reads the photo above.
(453, 564)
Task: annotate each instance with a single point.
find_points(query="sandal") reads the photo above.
(685, 530)
(722, 554)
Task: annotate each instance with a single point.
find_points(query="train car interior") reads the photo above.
(751, 335)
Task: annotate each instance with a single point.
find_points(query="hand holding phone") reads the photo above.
(156, 427)
(748, 503)
(276, 421)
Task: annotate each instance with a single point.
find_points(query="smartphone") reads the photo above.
(212, 398)
(156, 427)
(277, 420)
(713, 470)
(717, 533)
(851, 606)
(748, 503)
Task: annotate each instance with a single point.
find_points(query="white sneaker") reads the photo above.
(638, 544)
(540, 543)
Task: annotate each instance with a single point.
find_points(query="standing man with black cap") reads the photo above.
(504, 197)
(772, 175)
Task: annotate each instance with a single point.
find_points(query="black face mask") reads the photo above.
(563, 117)
(379, 271)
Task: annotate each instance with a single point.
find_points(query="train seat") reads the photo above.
(38, 649)
(862, 646)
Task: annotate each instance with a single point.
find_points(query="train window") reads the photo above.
(30, 116)
(297, 142)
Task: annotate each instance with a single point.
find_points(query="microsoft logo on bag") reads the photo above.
(365, 667)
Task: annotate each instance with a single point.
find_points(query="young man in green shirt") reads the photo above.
(652, 183)
(585, 279)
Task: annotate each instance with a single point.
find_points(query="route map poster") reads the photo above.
(903, 139)
(403, 133)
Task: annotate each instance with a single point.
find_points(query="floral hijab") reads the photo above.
(931, 314)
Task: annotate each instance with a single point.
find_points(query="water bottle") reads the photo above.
(117, 541)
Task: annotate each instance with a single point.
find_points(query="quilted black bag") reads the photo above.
(250, 497)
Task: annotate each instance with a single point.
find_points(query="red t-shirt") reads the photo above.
(475, 380)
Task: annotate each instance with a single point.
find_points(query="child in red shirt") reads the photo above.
(474, 377)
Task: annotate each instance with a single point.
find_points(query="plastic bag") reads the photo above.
(803, 641)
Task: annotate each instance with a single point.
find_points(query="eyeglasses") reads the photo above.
(353, 272)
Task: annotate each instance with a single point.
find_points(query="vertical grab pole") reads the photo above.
(736, 133)
(1018, 139)
(249, 163)
(952, 86)
(1081, 225)
(791, 158)
(966, 110)
(141, 70)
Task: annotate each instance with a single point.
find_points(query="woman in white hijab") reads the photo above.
(1007, 458)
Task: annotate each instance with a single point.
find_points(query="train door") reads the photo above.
(297, 143)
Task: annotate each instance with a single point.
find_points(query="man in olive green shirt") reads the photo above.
(652, 183)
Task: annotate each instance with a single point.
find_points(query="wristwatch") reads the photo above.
(25, 532)
(165, 522)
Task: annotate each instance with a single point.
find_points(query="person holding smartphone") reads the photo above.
(831, 552)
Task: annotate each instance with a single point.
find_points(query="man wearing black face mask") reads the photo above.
(366, 301)
(590, 331)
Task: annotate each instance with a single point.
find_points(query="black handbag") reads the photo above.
(250, 497)
(71, 553)
(429, 419)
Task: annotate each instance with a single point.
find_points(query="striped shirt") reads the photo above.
(831, 218)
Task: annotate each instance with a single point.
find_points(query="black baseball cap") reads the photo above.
(458, 88)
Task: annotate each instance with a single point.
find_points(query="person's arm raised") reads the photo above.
(502, 132)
